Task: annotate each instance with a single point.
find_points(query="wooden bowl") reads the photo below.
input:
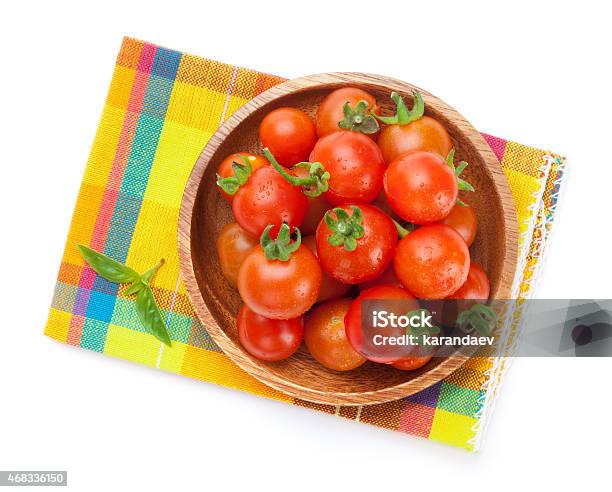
(203, 214)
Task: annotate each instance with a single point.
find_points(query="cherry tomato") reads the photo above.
(233, 246)
(424, 134)
(290, 135)
(330, 288)
(356, 243)
(317, 206)
(331, 109)
(420, 187)
(268, 339)
(475, 287)
(474, 290)
(463, 220)
(432, 261)
(267, 198)
(355, 331)
(280, 289)
(226, 170)
(325, 336)
(387, 277)
(411, 363)
(355, 164)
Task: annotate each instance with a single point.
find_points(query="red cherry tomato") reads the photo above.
(463, 220)
(267, 198)
(355, 164)
(356, 257)
(330, 288)
(289, 134)
(432, 261)
(424, 134)
(268, 339)
(411, 363)
(233, 246)
(325, 336)
(280, 289)
(420, 187)
(226, 170)
(355, 331)
(475, 287)
(331, 109)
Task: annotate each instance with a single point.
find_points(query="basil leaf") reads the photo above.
(148, 275)
(107, 267)
(135, 288)
(150, 316)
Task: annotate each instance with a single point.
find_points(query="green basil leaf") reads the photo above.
(150, 316)
(107, 267)
(148, 275)
(134, 288)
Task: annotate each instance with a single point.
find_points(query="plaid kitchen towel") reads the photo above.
(161, 109)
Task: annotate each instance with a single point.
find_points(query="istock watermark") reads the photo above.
(433, 341)
(396, 328)
(414, 319)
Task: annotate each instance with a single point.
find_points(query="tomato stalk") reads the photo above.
(403, 115)
(462, 184)
(402, 231)
(346, 229)
(479, 317)
(313, 185)
(232, 184)
(281, 247)
(358, 119)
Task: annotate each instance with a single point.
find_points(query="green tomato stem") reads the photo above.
(358, 119)
(462, 184)
(402, 232)
(345, 228)
(281, 247)
(403, 115)
(242, 172)
(313, 185)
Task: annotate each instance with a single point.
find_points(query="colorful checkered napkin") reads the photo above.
(161, 109)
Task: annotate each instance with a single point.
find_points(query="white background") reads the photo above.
(537, 72)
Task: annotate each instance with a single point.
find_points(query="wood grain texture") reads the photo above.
(203, 213)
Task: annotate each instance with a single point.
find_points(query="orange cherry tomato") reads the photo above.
(331, 109)
(463, 220)
(424, 134)
(411, 363)
(330, 288)
(280, 289)
(325, 336)
(225, 168)
(432, 261)
(290, 135)
(233, 246)
(268, 339)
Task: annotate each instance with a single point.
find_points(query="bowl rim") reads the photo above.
(331, 81)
